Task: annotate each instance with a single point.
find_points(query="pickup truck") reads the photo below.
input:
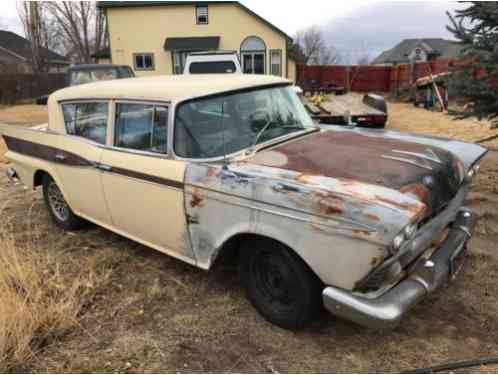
(86, 73)
(362, 222)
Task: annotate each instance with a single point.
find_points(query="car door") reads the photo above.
(142, 186)
(78, 156)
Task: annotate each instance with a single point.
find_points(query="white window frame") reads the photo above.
(142, 55)
(278, 64)
(201, 11)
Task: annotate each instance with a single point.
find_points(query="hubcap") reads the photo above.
(57, 202)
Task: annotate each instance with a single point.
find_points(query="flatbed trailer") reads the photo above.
(368, 110)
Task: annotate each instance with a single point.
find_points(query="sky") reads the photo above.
(348, 25)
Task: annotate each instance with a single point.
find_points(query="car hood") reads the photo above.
(428, 173)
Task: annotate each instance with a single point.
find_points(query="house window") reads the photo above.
(201, 14)
(276, 62)
(143, 61)
(179, 58)
(253, 55)
(86, 120)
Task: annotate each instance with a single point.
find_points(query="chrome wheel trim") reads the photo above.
(57, 202)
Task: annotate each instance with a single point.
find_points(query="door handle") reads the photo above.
(60, 156)
(104, 167)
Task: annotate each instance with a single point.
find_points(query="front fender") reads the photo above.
(223, 203)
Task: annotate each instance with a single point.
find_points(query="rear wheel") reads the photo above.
(279, 284)
(57, 206)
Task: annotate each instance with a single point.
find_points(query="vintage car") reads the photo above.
(363, 222)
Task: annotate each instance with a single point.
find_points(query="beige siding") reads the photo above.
(292, 69)
(144, 30)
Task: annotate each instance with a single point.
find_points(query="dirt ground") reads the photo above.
(158, 314)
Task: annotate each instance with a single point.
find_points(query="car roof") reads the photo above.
(96, 66)
(166, 88)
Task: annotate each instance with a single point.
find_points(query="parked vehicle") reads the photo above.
(368, 111)
(212, 62)
(365, 223)
(87, 73)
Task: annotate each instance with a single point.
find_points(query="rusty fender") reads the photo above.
(340, 228)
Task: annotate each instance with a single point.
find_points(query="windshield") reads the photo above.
(213, 127)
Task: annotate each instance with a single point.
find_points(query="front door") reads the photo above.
(78, 156)
(143, 188)
(253, 62)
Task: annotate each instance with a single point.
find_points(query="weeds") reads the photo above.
(39, 301)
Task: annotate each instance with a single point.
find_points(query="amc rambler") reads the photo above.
(363, 222)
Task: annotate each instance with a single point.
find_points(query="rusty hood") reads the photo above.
(428, 173)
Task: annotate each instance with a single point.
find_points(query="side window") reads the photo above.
(87, 120)
(141, 127)
(276, 62)
(143, 61)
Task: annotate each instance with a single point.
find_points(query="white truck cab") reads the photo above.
(212, 62)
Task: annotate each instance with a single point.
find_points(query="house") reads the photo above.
(415, 50)
(15, 55)
(154, 37)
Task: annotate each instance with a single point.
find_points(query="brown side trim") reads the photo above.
(48, 153)
(147, 177)
(44, 152)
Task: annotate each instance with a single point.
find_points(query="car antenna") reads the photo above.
(225, 162)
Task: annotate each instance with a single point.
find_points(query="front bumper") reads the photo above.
(385, 311)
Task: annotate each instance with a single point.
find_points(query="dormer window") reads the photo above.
(201, 14)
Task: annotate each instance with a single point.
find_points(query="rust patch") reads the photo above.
(330, 204)
(362, 233)
(372, 217)
(304, 178)
(197, 200)
(413, 208)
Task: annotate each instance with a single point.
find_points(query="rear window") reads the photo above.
(212, 67)
(86, 76)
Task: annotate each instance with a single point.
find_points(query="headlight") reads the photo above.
(472, 173)
(410, 230)
(406, 234)
(398, 241)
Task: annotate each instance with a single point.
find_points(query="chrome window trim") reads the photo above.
(84, 101)
(112, 125)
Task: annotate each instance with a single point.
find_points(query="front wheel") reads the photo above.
(279, 284)
(57, 206)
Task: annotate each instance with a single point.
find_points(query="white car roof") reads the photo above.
(165, 88)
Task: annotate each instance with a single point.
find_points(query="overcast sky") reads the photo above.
(354, 27)
(293, 16)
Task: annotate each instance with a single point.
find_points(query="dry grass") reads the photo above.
(27, 114)
(406, 117)
(40, 301)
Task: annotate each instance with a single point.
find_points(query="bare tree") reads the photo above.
(81, 27)
(31, 15)
(315, 50)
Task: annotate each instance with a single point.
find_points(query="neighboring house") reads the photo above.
(15, 55)
(168, 30)
(415, 50)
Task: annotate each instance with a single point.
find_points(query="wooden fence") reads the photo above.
(17, 87)
(368, 78)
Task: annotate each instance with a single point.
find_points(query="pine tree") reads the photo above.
(475, 77)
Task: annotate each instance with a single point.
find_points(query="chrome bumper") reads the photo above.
(386, 311)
